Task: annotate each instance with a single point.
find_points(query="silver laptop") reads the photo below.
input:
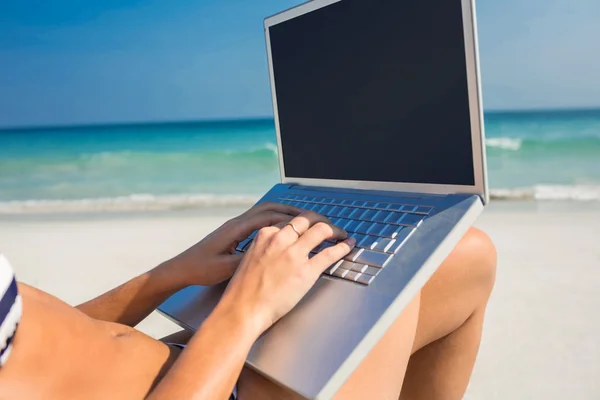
(380, 127)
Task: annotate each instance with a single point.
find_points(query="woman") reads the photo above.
(92, 351)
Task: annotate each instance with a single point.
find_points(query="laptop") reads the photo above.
(379, 126)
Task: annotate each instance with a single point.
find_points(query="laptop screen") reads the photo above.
(374, 90)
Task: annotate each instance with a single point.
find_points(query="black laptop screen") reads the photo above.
(374, 90)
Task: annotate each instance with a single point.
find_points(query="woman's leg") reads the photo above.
(447, 317)
(379, 376)
(453, 305)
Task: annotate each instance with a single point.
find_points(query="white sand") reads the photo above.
(541, 336)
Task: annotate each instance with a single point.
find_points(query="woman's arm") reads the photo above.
(272, 278)
(133, 301)
(211, 261)
(213, 359)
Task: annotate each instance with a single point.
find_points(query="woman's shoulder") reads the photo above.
(57, 347)
(10, 309)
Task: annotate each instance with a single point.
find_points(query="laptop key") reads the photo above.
(346, 211)
(359, 238)
(343, 264)
(382, 216)
(409, 209)
(365, 279)
(352, 225)
(390, 231)
(317, 208)
(384, 244)
(340, 272)
(395, 218)
(331, 270)
(412, 220)
(373, 271)
(395, 207)
(423, 210)
(370, 204)
(343, 223)
(351, 275)
(373, 258)
(336, 221)
(382, 206)
(358, 267)
(334, 212)
(402, 236)
(354, 254)
(376, 229)
(368, 215)
(326, 210)
(356, 213)
(368, 242)
(314, 207)
(364, 227)
(399, 229)
(395, 246)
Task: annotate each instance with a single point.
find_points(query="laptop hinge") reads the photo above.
(360, 191)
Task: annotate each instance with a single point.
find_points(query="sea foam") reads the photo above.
(549, 193)
(504, 143)
(134, 202)
(148, 202)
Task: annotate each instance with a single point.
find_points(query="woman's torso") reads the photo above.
(59, 352)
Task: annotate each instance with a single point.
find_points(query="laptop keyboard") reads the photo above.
(380, 231)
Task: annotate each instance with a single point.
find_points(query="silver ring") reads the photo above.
(294, 228)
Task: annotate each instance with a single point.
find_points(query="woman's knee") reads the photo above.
(478, 255)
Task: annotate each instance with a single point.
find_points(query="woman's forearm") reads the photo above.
(213, 359)
(133, 301)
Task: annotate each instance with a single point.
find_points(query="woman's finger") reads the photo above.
(330, 255)
(318, 233)
(272, 207)
(295, 229)
(244, 227)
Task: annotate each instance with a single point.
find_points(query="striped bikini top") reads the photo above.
(10, 309)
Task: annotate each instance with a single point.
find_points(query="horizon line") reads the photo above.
(244, 119)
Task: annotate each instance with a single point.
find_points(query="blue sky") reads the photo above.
(71, 62)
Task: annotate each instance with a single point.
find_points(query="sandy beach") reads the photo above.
(540, 339)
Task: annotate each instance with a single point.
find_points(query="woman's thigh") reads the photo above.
(379, 376)
(459, 288)
(462, 282)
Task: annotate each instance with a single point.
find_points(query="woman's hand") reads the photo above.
(213, 260)
(277, 271)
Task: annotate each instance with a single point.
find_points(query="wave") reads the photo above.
(549, 193)
(131, 203)
(504, 143)
(266, 150)
(119, 163)
(149, 202)
(543, 145)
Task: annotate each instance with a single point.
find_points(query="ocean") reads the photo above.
(537, 156)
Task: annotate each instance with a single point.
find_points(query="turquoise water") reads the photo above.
(215, 158)
(526, 149)
(536, 155)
